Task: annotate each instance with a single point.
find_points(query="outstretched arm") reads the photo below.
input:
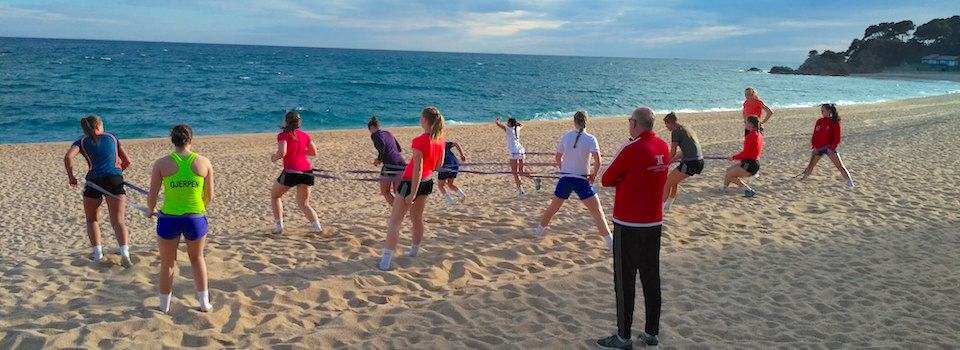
(502, 127)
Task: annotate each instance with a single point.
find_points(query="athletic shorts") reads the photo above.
(444, 175)
(426, 188)
(392, 169)
(293, 179)
(751, 166)
(690, 167)
(822, 151)
(569, 184)
(113, 184)
(191, 226)
(517, 153)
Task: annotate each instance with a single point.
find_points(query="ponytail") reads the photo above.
(373, 123)
(291, 123)
(512, 122)
(432, 114)
(672, 118)
(580, 117)
(89, 125)
(834, 115)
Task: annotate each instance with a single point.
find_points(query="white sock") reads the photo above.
(667, 203)
(520, 191)
(316, 226)
(124, 250)
(609, 239)
(97, 253)
(850, 181)
(278, 226)
(449, 198)
(414, 249)
(539, 231)
(385, 261)
(204, 299)
(165, 302)
(461, 193)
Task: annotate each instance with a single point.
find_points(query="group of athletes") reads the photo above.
(645, 188)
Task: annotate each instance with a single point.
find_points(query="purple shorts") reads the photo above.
(191, 226)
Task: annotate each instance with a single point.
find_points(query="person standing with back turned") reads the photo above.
(639, 172)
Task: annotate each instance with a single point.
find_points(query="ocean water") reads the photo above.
(142, 89)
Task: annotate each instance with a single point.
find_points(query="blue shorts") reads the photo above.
(191, 226)
(570, 184)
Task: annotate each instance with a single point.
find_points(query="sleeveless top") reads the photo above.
(183, 190)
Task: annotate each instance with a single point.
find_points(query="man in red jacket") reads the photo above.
(639, 171)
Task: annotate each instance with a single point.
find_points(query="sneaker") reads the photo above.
(614, 342)
(538, 232)
(850, 182)
(648, 340)
(125, 261)
(723, 189)
(277, 229)
(749, 193)
(97, 256)
(537, 182)
(520, 192)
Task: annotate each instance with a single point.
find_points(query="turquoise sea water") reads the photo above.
(142, 89)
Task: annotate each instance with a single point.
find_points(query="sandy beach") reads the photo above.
(803, 265)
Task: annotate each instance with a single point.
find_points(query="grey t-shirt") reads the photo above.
(689, 147)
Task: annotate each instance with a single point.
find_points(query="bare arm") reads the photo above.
(156, 179)
(673, 150)
(124, 158)
(281, 151)
(68, 164)
(502, 127)
(208, 184)
(463, 158)
(311, 149)
(596, 167)
(559, 159)
(769, 113)
(417, 162)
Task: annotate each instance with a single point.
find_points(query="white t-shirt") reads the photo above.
(513, 140)
(576, 161)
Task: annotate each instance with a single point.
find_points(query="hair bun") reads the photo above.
(373, 118)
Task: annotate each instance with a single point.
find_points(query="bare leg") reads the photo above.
(91, 210)
(515, 169)
(397, 213)
(551, 211)
(197, 263)
(276, 192)
(416, 218)
(835, 157)
(733, 176)
(673, 181)
(115, 208)
(452, 186)
(168, 262)
(814, 158)
(303, 201)
(596, 210)
(440, 185)
(387, 188)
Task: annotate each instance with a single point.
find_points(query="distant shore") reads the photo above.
(903, 74)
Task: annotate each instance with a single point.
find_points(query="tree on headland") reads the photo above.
(887, 44)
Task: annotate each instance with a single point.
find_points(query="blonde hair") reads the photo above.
(672, 118)
(436, 122)
(580, 117)
(752, 92)
(89, 125)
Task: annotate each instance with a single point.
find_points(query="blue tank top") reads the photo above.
(103, 157)
(449, 158)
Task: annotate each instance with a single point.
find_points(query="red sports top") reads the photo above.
(752, 107)
(639, 171)
(826, 133)
(752, 146)
(432, 151)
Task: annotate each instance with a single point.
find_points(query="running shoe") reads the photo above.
(648, 340)
(125, 261)
(614, 342)
(850, 182)
(749, 193)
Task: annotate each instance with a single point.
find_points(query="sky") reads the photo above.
(759, 30)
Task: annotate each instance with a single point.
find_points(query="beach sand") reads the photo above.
(810, 265)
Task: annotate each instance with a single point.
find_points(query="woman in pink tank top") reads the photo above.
(293, 146)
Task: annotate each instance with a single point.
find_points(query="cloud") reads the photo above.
(704, 33)
(7, 11)
(505, 23)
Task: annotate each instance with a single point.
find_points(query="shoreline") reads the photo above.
(466, 124)
(911, 75)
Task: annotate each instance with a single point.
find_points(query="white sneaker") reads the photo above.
(97, 256)
(850, 182)
(538, 232)
(125, 261)
(520, 192)
(277, 229)
(723, 189)
(449, 198)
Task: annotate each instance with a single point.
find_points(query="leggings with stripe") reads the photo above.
(636, 249)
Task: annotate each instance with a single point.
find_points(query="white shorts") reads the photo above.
(517, 153)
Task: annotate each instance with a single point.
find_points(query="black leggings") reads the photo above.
(636, 249)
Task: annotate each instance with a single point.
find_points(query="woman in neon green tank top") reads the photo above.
(187, 180)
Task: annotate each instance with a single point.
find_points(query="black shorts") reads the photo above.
(747, 132)
(392, 169)
(113, 184)
(446, 175)
(426, 188)
(690, 167)
(751, 166)
(822, 151)
(293, 179)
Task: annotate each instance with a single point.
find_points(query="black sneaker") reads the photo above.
(648, 340)
(614, 342)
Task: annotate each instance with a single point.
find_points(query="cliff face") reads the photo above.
(828, 63)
